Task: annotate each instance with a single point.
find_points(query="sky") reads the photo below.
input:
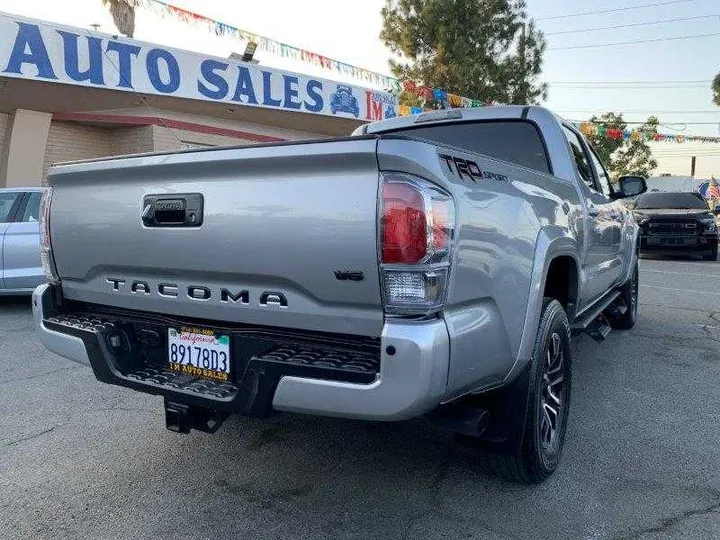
(635, 79)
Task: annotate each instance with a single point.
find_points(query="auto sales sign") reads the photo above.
(39, 51)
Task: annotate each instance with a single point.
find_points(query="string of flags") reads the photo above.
(277, 48)
(164, 10)
(431, 97)
(590, 129)
(438, 95)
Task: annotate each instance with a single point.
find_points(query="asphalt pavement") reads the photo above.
(83, 460)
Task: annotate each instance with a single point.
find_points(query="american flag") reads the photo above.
(713, 192)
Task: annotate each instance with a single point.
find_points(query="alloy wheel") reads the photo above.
(552, 396)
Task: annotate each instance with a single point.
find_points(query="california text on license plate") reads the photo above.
(200, 352)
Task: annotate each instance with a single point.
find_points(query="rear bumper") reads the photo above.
(409, 380)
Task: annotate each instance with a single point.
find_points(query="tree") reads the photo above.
(123, 14)
(622, 156)
(716, 89)
(484, 49)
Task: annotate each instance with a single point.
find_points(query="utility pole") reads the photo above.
(693, 161)
(523, 38)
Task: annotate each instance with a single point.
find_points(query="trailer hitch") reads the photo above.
(181, 418)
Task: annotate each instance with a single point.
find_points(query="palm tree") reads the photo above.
(123, 13)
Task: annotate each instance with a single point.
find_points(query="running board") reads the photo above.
(591, 320)
(598, 329)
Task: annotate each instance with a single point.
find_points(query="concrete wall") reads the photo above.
(68, 141)
(3, 124)
(131, 140)
(226, 123)
(168, 140)
(75, 140)
(26, 134)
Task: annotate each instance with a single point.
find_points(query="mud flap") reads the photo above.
(507, 408)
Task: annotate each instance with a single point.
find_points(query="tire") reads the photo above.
(712, 256)
(629, 296)
(549, 385)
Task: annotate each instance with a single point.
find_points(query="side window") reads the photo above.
(7, 200)
(602, 174)
(581, 158)
(32, 209)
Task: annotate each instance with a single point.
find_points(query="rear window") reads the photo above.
(6, 203)
(516, 142)
(32, 210)
(684, 201)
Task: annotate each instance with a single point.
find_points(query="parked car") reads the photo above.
(20, 267)
(343, 100)
(678, 223)
(431, 264)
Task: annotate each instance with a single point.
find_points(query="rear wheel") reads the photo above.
(712, 256)
(629, 296)
(547, 404)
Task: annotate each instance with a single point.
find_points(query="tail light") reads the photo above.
(46, 255)
(417, 230)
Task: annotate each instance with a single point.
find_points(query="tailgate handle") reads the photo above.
(173, 210)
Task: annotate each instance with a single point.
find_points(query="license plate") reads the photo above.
(199, 352)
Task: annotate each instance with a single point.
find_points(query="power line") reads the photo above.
(656, 40)
(629, 86)
(630, 25)
(710, 151)
(631, 82)
(687, 156)
(642, 111)
(600, 11)
(703, 87)
(666, 125)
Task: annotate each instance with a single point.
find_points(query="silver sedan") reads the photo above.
(20, 267)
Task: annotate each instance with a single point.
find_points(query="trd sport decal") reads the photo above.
(465, 167)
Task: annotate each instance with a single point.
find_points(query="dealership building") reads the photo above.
(68, 94)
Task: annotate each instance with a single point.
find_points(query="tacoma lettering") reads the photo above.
(202, 293)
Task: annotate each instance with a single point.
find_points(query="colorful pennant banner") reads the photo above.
(165, 10)
(590, 129)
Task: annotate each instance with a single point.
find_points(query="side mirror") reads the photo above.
(632, 186)
(716, 210)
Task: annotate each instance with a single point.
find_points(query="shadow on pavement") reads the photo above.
(674, 257)
(19, 302)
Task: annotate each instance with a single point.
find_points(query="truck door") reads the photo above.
(21, 246)
(615, 212)
(602, 265)
(9, 204)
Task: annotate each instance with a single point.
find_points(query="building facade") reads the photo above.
(69, 93)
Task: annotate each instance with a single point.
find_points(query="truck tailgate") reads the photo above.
(286, 231)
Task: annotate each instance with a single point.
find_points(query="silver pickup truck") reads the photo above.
(432, 265)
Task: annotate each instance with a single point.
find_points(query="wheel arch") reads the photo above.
(562, 282)
(557, 252)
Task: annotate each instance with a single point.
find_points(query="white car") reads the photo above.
(20, 267)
